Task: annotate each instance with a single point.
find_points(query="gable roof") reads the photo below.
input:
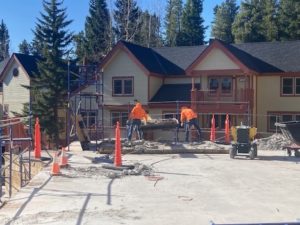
(181, 56)
(261, 57)
(173, 92)
(28, 62)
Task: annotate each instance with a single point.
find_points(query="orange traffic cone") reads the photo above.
(118, 159)
(55, 170)
(227, 136)
(213, 129)
(63, 158)
(37, 139)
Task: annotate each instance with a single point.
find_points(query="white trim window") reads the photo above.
(290, 85)
(122, 86)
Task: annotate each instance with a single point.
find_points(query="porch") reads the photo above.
(216, 101)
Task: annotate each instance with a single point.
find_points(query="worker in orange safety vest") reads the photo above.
(189, 117)
(136, 116)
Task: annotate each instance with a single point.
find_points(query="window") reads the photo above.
(220, 84)
(290, 86)
(281, 117)
(1, 87)
(123, 86)
(89, 118)
(122, 117)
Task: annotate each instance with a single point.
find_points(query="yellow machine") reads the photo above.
(243, 141)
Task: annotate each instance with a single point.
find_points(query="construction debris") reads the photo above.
(274, 142)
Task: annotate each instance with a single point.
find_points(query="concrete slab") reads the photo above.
(182, 189)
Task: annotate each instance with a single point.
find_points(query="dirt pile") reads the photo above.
(274, 142)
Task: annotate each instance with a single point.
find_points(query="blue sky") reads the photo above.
(20, 16)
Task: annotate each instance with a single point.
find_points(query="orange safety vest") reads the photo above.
(187, 114)
(138, 112)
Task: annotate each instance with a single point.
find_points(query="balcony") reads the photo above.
(237, 101)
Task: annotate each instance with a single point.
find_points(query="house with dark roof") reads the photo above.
(255, 83)
(15, 74)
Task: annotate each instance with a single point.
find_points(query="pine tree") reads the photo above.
(80, 44)
(150, 30)
(49, 87)
(248, 24)
(289, 20)
(173, 21)
(97, 33)
(224, 17)
(127, 20)
(192, 32)
(4, 41)
(270, 20)
(25, 47)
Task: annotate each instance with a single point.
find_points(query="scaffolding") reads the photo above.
(85, 117)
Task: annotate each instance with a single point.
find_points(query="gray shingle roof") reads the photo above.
(173, 92)
(181, 56)
(282, 55)
(153, 61)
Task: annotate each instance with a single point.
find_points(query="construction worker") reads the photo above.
(136, 116)
(189, 117)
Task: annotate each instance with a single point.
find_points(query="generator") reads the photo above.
(243, 142)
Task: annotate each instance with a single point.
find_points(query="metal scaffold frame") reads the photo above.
(85, 107)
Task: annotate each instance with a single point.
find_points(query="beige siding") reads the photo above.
(154, 84)
(13, 93)
(216, 60)
(123, 66)
(269, 99)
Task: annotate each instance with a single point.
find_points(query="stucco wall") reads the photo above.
(14, 94)
(216, 60)
(123, 66)
(269, 99)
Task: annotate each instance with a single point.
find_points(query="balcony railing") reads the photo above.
(239, 100)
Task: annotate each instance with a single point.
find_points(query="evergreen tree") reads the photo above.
(127, 20)
(270, 20)
(49, 87)
(289, 20)
(257, 21)
(80, 46)
(25, 47)
(224, 17)
(97, 32)
(150, 30)
(192, 32)
(4, 41)
(248, 26)
(173, 21)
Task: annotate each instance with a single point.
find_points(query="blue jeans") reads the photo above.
(188, 125)
(135, 125)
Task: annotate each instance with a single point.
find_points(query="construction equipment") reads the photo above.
(243, 141)
(160, 124)
(291, 131)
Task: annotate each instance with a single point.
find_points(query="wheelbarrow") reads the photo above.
(243, 141)
(291, 131)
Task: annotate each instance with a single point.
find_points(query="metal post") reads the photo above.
(21, 169)
(68, 111)
(177, 117)
(30, 135)
(10, 160)
(1, 158)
